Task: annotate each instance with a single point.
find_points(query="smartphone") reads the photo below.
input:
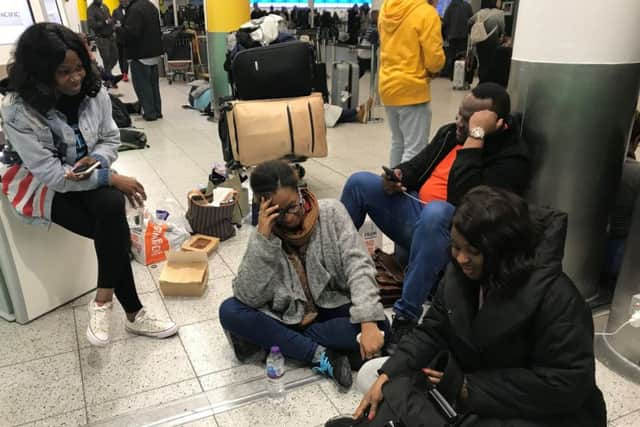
(391, 175)
(85, 169)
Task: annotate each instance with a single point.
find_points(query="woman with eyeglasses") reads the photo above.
(306, 282)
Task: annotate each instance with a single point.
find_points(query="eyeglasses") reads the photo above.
(294, 209)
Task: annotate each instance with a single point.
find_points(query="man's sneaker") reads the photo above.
(147, 325)
(99, 320)
(399, 328)
(336, 366)
(125, 77)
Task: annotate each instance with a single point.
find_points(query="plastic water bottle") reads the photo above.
(275, 374)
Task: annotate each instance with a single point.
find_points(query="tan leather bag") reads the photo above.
(274, 128)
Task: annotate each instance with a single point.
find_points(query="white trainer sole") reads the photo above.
(162, 334)
(94, 340)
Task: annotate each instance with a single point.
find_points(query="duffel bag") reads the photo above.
(272, 129)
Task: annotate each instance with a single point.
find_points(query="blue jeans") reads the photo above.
(422, 229)
(332, 329)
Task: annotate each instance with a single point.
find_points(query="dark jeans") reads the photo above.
(100, 215)
(108, 52)
(348, 115)
(456, 46)
(122, 60)
(364, 65)
(147, 87)
(422, 229)
(486, 56)
(332, 329)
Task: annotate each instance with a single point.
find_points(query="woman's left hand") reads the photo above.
(371, 340)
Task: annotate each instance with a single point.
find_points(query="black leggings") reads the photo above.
(100, 215)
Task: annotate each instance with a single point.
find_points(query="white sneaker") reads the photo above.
(99, 320)
(147, 325)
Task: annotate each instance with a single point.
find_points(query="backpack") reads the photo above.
(120, 112)
(478, 32)
(132, 139)
(200, 97)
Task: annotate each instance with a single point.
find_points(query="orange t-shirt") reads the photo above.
(435, 187)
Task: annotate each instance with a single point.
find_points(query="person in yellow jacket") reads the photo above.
(410, 52)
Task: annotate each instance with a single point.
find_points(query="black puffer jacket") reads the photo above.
(503, 162)
(527, 354)
(99, 20)
(140, 32)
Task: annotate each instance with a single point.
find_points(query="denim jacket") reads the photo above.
(42, 148)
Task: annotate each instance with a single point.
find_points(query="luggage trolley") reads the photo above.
(179, 55)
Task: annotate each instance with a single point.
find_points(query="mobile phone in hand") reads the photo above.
(390, 174)
(85, 169)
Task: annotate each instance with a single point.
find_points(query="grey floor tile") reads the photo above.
(151, 301)
(208, 348)
(132, 366)
(306, 406)
(41, 388)
(218, 268)
(235, 375)
(630, 420)
(206, 422)
(232, 253)
(187, 310)
(345, 402)
(622, 396)
(70, 419)
(143, 278)
(49, 335)
(143, 400)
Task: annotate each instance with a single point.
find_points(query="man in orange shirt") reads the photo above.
(481, 148)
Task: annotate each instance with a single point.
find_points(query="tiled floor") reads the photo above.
(50, 376)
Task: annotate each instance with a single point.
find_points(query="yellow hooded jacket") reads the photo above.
(410, 49)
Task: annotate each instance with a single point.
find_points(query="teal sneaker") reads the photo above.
(335, 366)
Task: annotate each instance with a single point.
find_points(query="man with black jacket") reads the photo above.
(142, 39)
(101, 24)
(414, 207)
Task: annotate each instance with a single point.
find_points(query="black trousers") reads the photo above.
(456, 46)
(100, 215)
(486, 57)
(122, 60)
(108, 52)
(146, 83)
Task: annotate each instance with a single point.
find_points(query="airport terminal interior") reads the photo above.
(51, 375)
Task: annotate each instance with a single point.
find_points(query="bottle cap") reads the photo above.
(275, 349)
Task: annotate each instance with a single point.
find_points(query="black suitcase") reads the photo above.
(282, 70)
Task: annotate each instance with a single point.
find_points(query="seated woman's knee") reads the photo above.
(360, 180)
(110, 202)
(230, 313)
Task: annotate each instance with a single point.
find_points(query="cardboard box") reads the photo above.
(185, 274)
(201, 243)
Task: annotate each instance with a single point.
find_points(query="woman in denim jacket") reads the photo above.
(57, 120)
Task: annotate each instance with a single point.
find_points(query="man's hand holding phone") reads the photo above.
(392, 181)
(267, 217)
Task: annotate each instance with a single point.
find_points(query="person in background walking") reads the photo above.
(494, 24)
(140, 33)
(410, 52)
(118, 17)
(101, 24)
(455, 28)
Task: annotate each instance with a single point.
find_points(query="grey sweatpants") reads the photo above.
(410, 126)
(108, 52)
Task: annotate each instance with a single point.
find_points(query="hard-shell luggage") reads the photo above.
(263, 130)
(459, 80)
(345, 84)
(281, 70)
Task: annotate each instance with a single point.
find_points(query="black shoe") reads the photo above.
(336, 366)
(160, 116)
(242, 348)
(400, 327)
(116, 79)
(149, 119)
(342, 421)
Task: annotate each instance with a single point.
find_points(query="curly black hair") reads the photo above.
(39, 51)
(497, 222)
(269, 177)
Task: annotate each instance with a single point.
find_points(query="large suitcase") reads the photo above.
(345, 84)
(459, 74)
(282, 70)
(263, 130)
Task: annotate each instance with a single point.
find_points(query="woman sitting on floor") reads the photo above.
(306, 282)
(508, 340)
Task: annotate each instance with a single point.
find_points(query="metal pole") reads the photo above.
(175, 13)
